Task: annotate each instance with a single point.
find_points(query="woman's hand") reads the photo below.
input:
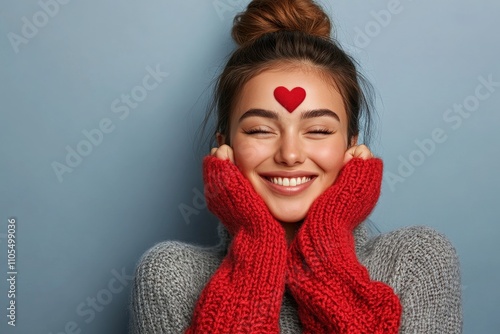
(357, 151)
(343, 206)
(334, 291)
(223, 152)
(231, 197)
(245, 293)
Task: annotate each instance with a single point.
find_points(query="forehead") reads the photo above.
(321, 92)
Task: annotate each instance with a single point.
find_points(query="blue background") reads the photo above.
(78, 232)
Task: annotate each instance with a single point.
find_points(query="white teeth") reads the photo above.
(289, 182)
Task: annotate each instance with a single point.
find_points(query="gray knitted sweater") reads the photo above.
(420, 265)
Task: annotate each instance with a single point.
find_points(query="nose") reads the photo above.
(290, 151)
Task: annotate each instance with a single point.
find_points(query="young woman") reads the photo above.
(292, 187)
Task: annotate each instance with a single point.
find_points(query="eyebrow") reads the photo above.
(259, 113)
(319, 113)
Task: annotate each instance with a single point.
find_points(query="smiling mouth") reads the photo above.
(289, 181)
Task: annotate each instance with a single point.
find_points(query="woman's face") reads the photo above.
(290, 158)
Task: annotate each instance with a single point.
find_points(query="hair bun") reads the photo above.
(266, 16)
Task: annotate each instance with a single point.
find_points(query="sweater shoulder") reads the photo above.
(417, 250)
(422, 266)
(176, 256)
(169, 263)
(169, 278)
(414, 242)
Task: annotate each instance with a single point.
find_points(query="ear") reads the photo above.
(221, 139)
(354, 141)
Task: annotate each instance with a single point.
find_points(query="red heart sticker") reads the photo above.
(289, 99)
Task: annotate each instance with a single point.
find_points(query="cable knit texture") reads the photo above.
(338, 278)
(334, 291)
(245, 293)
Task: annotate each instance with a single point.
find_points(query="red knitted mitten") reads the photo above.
(245, 293)
(334, 291)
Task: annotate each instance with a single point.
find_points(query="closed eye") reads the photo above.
(321, 132)
(256, 131)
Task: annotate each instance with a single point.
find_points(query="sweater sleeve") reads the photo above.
(424, 272)
(168, 280)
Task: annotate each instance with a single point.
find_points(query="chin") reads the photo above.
(285, 216)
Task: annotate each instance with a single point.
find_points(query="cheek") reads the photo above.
(247, 154)
(330, 158)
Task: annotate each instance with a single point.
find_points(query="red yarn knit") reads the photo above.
(245, 293)
(333, 290)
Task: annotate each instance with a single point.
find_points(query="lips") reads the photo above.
(288, 183)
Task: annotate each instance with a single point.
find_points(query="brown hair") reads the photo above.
(284, 33)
